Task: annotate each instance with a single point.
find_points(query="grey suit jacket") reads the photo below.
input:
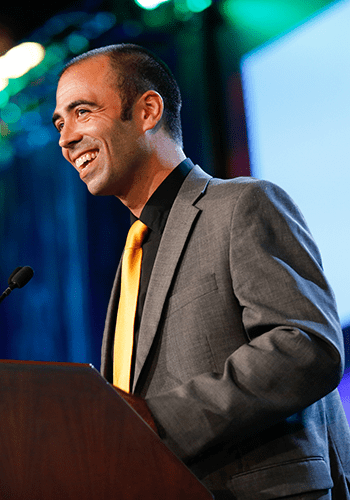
(240, 348)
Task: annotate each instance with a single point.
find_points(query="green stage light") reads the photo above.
(77, 43)
(157, 18)
(149, 4)
(198, 5)
(55, 53)
(18, 84)
(268, 18)
(10, 113)
(181, 6)
(4, 98)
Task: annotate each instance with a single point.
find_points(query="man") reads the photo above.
(237, 347)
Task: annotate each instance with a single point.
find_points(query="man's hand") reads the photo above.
(140, 406)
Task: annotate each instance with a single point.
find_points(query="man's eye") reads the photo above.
(81, 111)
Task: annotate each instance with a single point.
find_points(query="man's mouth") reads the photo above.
(85, 158)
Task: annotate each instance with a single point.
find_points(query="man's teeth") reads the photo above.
(84, 158)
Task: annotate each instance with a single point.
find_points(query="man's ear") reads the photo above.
(150, 107)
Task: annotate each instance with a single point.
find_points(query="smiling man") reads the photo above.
(114, 155)
(236, 346)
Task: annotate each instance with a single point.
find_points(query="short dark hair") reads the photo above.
(137, 70)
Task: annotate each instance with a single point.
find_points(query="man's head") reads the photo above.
(134, 70)
(117, 111)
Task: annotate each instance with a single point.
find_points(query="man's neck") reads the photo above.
(157, 169)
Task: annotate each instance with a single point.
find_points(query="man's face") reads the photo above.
(105, 150)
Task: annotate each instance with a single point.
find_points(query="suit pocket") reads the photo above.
(289, 478)
(193, 291)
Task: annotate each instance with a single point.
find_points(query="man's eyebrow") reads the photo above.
(72, 105)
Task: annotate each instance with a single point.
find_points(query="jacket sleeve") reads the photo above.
(294, 352)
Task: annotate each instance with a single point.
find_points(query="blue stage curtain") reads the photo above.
(46, 212)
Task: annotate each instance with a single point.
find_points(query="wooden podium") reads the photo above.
(66, 434)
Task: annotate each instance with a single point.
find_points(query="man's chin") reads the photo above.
(99, 190)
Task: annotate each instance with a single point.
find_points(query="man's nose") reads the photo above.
(70, 136)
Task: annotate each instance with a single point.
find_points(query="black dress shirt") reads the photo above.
(155, 215)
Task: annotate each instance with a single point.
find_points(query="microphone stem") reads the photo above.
(5, 294)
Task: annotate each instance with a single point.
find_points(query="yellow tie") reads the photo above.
(130, 280)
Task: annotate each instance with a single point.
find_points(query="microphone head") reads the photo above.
(9, 281)
(21, 276)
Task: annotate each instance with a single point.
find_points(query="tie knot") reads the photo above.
(136, 234)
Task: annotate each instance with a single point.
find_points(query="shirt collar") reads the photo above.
(155, 212)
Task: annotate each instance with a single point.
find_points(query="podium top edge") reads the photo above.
(47, 363)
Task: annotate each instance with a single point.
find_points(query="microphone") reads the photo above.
(19, 278)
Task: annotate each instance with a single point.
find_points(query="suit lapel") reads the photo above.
(181, 219)
(108, 335)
